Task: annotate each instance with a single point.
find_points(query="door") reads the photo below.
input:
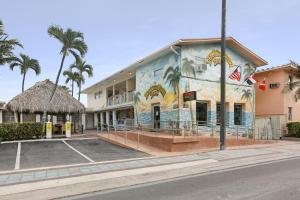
(156, 117)
(238, 111)
(201, 113)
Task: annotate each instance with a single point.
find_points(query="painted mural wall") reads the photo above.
(154, 88)
(207, 82)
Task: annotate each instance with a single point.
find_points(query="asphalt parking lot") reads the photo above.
(36, 154)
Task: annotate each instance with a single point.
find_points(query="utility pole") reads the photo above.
(223, 79)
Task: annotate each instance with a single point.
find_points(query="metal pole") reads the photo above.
(223, 79)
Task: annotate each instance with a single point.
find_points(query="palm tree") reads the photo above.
(72, 43)
(25, 63)
(82, 67)
(189, 70)
(248, 70)
(136, 99)
(74, 77)
(248, 96)
(7, 46)
(172, 76)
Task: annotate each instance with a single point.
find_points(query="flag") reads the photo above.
(262, 85)
(251, 80)
(236, 75)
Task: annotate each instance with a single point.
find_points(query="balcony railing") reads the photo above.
(120, 99)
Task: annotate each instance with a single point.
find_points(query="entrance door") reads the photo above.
(201, 113)
(156, 116)
(238, 112)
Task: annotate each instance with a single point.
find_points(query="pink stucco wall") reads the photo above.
(276, 101)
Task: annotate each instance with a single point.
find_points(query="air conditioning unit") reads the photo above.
(201, 67)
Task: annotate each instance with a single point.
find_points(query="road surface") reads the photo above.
(275, 181)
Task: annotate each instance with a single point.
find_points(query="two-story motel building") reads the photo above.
(141, 93)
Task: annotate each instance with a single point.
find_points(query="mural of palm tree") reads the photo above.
(72, 43)
(7, 46)
(248, 96)
(74, 77)
(248, 70)
(25, 63)
(83, 68)
(136, 99)
(189, 70)
(172, 76)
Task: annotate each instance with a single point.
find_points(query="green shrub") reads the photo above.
(293, 129)
(20, 131)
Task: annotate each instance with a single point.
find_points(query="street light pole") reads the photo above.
(223, 79)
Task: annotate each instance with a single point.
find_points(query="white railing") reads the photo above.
(120, 99)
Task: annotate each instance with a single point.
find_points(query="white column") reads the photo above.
(126, 90)
(95, 120)
(54, 119)
(101, 118)
(107, 119)
(38, 118)
(113, 94)
(114, 118)
(83, 120)
(21, 117)
(16, 117)
(1, 116)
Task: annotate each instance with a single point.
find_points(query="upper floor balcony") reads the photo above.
(120, 99)
(121, 93)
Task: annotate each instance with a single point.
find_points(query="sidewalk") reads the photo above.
(13, 183)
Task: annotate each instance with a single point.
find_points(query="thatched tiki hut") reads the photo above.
(33, 106)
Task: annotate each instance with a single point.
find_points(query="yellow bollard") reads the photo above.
(68, 129)
(49, 130)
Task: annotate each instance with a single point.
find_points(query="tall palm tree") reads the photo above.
(74, 77)
(72, 43)
(189, 69)
(173, 76)
(25, 63)
(136, 99)
(83, 68)
(7, 46)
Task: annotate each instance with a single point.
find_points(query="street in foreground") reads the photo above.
(276, 181)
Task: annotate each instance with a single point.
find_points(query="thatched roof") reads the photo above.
(2, 103)
(36, 99)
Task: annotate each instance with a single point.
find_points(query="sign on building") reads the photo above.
(189, 96)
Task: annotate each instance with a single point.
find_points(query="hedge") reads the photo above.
(20, 131)
(293, 129)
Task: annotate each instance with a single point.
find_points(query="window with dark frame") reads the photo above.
(290, 113)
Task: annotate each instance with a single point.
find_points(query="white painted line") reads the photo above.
(18, 157)
(78, 152)
(47, 140)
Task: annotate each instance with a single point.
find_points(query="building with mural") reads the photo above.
(178, 83)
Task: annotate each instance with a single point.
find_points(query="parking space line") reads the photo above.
(18, 157)
(86, 157)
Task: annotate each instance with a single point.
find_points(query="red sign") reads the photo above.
(189, 96)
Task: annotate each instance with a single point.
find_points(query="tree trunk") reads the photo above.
(58, 75)
(79, 91)
(23, 82)
(72, 87)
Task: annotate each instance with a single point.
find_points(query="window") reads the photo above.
(97, 95)
(290, 114)
(290, 82)
(274, 85)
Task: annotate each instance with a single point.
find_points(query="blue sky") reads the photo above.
(119, 32)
